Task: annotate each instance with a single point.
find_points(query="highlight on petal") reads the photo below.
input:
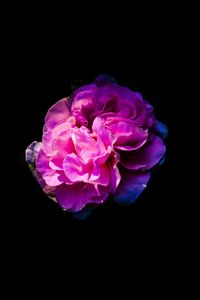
(75, 169)
(126, 136)
(131, 186)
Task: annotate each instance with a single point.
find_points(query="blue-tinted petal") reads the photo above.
(160, 129)
(104, 79)
(130, 187)
(83, 214)
(162, 161)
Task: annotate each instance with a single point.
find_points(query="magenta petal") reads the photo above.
(104, 175)
(75, 197)
(74, 168)
(51, 177)
(146, 157)
(128, 137)
(130, 187)
(84, 103)
(57, 113)
(42, 162)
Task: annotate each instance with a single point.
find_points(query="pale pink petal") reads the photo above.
(75, 169)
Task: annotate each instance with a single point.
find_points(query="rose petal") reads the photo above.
(75, 197)
(83, 103)
(51, 177)
(58, 138)
(146, 157)
(126, 136)
(75, 169)
(84, 213)
(130, 187)
(85, 145)
(57, 113)
(160, 129)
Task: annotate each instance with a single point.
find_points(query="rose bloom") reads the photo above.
(98, 144)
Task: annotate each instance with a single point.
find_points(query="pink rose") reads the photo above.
(100, 142)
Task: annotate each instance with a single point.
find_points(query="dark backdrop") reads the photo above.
(43, 81)
(152, 229)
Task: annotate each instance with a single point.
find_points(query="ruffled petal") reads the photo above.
(75, 169)
(51, 177)
(83, 103)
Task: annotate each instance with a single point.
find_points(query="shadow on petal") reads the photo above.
(130, 187)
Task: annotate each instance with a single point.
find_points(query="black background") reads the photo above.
(44, 65)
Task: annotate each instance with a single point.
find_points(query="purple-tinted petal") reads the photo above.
(83, 103)
(42, 162)
(146, 157)
(130, 187)
(57, 113)
(126, 136)
(75, 197)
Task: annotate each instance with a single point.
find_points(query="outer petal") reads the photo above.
(57, 113)
(75, 197)
(160, 129)
(130, 187)
(51, 177)
(146, 157)
(31, 156)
